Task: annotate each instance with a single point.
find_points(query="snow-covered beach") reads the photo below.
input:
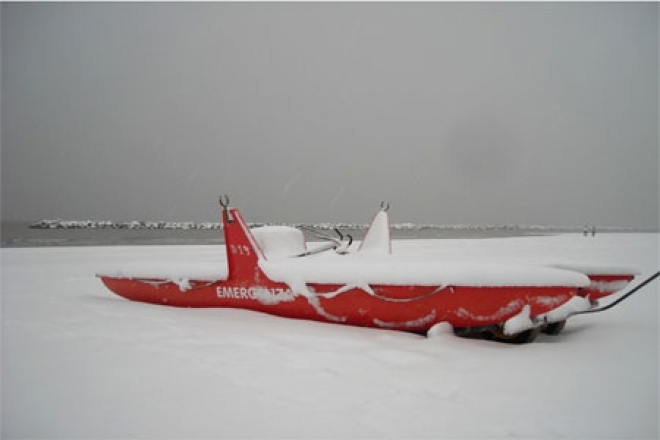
(78, 361)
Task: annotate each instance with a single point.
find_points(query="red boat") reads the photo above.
(271, 270)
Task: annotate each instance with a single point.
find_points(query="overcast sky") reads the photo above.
(468, 113)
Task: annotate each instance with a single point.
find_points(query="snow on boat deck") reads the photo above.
(333, 269)
(373, 268)
(356, 269)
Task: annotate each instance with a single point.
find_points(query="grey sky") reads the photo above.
(539, 113)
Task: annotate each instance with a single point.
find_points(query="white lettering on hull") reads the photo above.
(266, 295)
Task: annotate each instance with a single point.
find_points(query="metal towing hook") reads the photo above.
(223, 200)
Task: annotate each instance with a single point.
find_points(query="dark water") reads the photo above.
(21, 235)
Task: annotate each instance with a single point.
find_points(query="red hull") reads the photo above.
(412, 308)
(605, 285)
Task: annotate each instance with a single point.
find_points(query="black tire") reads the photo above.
(555, 328)
(519, 338)
(472, 332)
(462, 331)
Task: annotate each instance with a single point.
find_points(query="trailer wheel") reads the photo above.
(555, 328)
(472, 332)
(519, 338)
(462, 331)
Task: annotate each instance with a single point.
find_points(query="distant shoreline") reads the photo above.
(91, 233)
(184, 226)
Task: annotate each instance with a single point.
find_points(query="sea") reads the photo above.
(14, 234)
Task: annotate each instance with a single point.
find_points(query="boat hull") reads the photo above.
(411, 308)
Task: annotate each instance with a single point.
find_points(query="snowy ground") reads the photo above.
(79, 362)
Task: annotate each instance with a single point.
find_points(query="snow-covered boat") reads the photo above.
(273, 270)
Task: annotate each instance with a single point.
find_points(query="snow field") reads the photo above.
(78, 361)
